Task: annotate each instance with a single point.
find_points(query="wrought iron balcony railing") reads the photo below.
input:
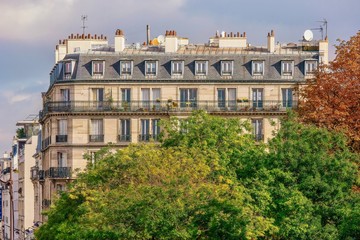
(61, 138)
(34, 173)
(147, 137)
(259, 137)
(124, 138)
(96, 138)
(58, 172)
(167, 106)
(46, 142)
(41, 175)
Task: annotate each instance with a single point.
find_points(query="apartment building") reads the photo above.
(101, 93)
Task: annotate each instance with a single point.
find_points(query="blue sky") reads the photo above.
(30, 29)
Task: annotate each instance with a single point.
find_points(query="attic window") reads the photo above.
(68, 67)
(201, 67)
(287, 68)
(98, 68)
(150, 68)
(227, 68)
(310, 67)
(126, 67)
(258, 68)
(177, 67)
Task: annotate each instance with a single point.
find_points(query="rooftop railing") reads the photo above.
(167, 106)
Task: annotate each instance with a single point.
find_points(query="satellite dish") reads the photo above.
(161, 39)
(308, 35)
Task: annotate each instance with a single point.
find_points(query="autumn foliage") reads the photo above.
(332, 98)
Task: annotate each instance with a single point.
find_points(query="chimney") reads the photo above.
(171, 41)
(271, 42)
(324, 51)
(119, 41)
(147, 34)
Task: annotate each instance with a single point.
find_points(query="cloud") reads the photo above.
(14, 98)
(39, 19)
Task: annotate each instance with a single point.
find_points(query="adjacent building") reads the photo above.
(101, 93)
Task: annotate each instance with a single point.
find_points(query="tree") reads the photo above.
(208, 181)
(332, 98)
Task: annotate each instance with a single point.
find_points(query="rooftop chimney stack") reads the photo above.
(147, 34)
(271, 41)
(119, 41)
(171, 41)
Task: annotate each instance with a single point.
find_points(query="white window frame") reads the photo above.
(177, 67)
(201, 67)
(68, 69)
(128, 65)
(287, 68)
(310, 66)
(98, 68)
(149, 65)
(227, 67)
(258, 67)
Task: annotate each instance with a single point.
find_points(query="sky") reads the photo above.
(30, 29)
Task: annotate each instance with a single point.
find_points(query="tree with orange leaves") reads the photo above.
(332, 98)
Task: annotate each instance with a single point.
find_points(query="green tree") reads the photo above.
(208, 179)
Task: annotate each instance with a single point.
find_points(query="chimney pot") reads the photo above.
(244, 34)
(272, 33)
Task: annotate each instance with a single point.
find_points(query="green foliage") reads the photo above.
(210, 180)
(20, 133)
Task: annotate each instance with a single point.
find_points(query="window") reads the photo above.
(257, 97)
(287, 97)
(188, 97)
(98, 68)
(145, 130)
(177, 67)
(310, 67)
(150, 68)
(155, 129)
(61, 159)
(125, 130)
(60, 188)
(97, 97)
(68, 68)
(257, 125)
(145, 97)
(64, 95)
(96, 131)
(287, 68)
(257, 68)
(126, 94)
(226, 68)
(226, 98)
(125, 67)
(62, 131)
(201, 67)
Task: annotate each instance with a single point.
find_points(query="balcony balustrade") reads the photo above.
(61, 138)
(96, 138)
(148, 137)
(124, 138)
(58, 172)
(34, 173)
(166, 106)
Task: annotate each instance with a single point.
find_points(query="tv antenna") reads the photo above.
(83, 19)
(321, 29)
(324, 24)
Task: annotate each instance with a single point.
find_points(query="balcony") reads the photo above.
(34, 173)
(61, 138)
(259, 137)
(58, 172)
(124, 138)
(163, 106)
(46, 142)
(96, 138)
(148, 137)
(41, 175)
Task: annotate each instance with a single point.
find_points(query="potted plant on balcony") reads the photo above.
(170, 100)
(157, 100)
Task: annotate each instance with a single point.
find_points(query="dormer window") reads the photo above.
(227, 68)
(98, 68)
(177, 67)
(68, 69)
(310, 67)
(150, 68)
(126, 67)
(257, 68)
(287, 68)
(201, 68)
